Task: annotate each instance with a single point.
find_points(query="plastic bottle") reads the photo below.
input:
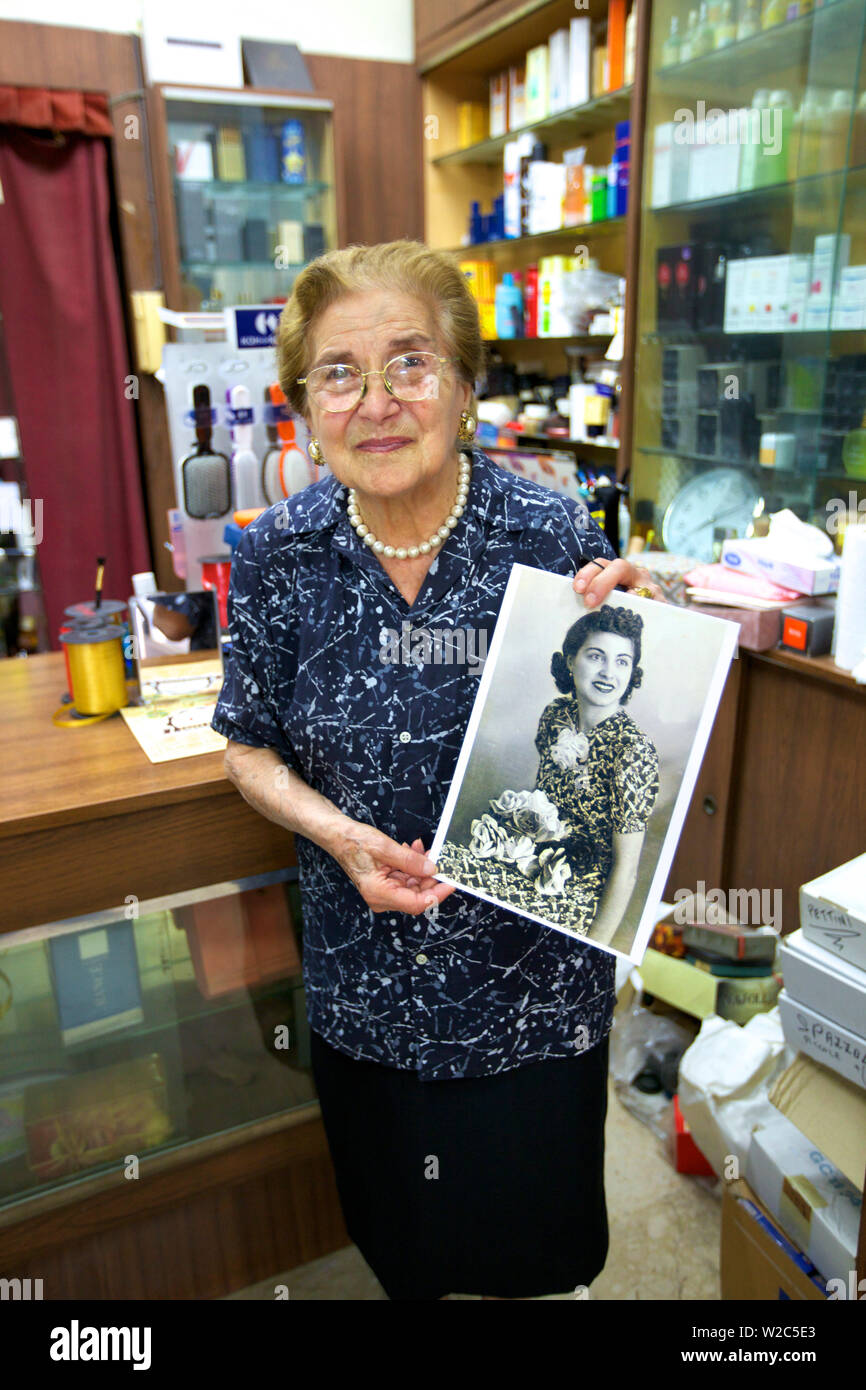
(630, 46)
(773, 12)
(858, 134)
(772, 162)
(836, 130)
(705, 39)
(671, 48)
(811, 133)
(508, 308)
(689, 39)
(726, 29)
(750, 20)
(752, 155)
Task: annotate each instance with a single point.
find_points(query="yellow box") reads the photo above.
(472, 123)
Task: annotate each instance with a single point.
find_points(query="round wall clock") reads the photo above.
(723, 498)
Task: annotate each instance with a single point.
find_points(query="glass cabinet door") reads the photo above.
(253, 183)
(138, 1031)
(751, 345)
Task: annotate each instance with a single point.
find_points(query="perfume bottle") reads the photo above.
(726, 29)
(705, 39)
(750, 20)
(687, 46)
(671, 48)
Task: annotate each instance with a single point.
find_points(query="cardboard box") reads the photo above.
(670, 178)
(833, 912)
(829, 1110)
(758, 1262)
(827, 984)
(808, 574)
(678, 983)
(579, 49)
(808, 1031)
(812, 1201)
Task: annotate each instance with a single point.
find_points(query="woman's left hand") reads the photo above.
(594, 583)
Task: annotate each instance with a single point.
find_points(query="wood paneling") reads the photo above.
(799, 792)
(199, 1230)
(377, 127)
(701, 849)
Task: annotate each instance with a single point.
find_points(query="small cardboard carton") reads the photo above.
(829, 1110)
(833, 911)
(758, 1262)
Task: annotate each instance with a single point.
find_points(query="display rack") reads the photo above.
(750, 353)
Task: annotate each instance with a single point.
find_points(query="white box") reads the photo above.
(813, 1202)
(545, 194)
(557, 71)
(833, 1046)
(830, 986)
(755, 294)
(809, 574)
(799, 276)
(536, 83)
(849, 300)
(735, 302)
(670, 166)
(579, 61)
(833, 912)
(516, 96)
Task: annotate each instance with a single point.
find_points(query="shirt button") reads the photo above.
(421, 958)
(405, 737)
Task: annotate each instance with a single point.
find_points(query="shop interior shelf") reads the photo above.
(607, 226)
(199, 266)
(599, 114)
(232, 187)
(770, 194)
(807, 475)
(746, 63)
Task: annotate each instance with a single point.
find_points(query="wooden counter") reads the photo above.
(86, 820)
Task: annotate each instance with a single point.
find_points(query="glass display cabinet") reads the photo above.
(750, 377)
(141, 1032)
(249, 179)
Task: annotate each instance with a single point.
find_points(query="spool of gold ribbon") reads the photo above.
(98, 676)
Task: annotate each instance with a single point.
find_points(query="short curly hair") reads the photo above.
(623, 621)
(434, 277)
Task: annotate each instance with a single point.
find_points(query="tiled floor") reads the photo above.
(664, 1232)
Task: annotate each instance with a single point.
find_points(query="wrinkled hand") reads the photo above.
(390, 877)
(594, 584)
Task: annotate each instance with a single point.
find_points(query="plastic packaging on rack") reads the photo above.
(725, 1079)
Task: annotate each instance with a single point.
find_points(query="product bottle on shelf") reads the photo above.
(752, 154)
(773, 12)
(539, 153)
(726, 29)
(858, 134)
(836, 129)
(630, 46)
(689, 39)
(750, 19)
(705, 39)
(509, 308)
(672, 47)
(808, 143)
(773, 164)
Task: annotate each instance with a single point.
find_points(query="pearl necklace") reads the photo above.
(438, 538)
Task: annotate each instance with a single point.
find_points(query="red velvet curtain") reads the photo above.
(61, 302)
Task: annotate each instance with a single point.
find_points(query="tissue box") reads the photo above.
(813, 1202)
(825, 983)
(833, 912)
(808, 574)
(836, 1047)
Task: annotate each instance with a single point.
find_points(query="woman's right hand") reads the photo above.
(390, 877)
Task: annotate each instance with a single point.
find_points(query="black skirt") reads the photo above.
(489, 1185)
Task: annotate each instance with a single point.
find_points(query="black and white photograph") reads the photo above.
(580, 758)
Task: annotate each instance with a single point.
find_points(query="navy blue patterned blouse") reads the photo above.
(467, 988)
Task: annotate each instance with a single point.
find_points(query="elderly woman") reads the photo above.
(459, 1051)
